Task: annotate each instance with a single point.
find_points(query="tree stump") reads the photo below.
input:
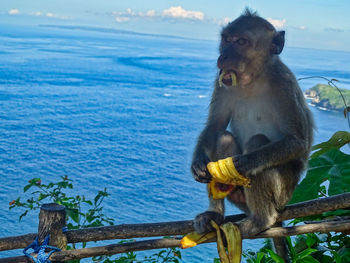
(52, 218)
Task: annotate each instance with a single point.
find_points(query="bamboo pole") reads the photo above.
(324, 227)
(126, 231)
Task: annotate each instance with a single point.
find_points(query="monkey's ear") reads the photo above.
(278, 43)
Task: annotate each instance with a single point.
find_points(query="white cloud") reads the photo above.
(48, 14)
(277, 23)
(174, 12)
(179, 12)
(151, 13)
(13, 12)
(302, 27)
(221, 22)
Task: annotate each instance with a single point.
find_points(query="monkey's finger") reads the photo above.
(200, 172)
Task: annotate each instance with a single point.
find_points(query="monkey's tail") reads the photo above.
(281, 247)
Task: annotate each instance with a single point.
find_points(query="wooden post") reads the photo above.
(52, 218)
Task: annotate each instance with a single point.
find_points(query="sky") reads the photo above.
(319, 24)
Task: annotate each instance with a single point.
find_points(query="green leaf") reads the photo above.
(73, 214)
(338, 140)
(259, 257)
(333, 166)
(305, 253)
(308, 259)
(339, 180)
(317, 173)
(291, 248)
(32, 182)
(23, 214)
(275, 257)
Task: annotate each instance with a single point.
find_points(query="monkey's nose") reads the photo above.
(220, 62)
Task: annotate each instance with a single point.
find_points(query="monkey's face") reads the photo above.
(247, 45)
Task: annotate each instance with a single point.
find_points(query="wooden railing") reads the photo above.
(52, 222)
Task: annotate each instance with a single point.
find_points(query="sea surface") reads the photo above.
(119, 110)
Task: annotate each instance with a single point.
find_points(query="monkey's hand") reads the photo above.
(243, 165)
(202, 221)
(200, 172)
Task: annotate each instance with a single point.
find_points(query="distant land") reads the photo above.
(327, 97)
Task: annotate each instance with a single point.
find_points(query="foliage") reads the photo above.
(82, 213)
(77, 216)
(327, 175)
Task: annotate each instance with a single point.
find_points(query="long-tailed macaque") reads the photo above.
(271, 127)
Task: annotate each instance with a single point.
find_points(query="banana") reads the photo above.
(218, 191)
(193, 239)
(233, 78)
(220, 244)
(224, 172)
(233, 238)
(234, 241)
(221, 77)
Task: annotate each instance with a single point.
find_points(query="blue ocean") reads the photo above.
(120, 110)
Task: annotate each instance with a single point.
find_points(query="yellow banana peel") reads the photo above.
(224, 175)
(234, 242)
(233, 78)
(220, 244)
(194, 238)
(233, 239)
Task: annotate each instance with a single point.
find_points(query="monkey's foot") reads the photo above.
(202, 221)
(251, 227)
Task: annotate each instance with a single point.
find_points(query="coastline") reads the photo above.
(326, 98)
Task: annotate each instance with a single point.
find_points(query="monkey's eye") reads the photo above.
(241, 41)
(229, 39)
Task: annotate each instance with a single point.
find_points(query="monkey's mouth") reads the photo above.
(227, 78)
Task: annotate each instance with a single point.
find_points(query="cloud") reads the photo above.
(277, 23)
(171, 13)
(179, 13)
(48, 14)
(301, 27)
(13, 12)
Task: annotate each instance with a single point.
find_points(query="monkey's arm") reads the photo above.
(273, 154)
(218, 119)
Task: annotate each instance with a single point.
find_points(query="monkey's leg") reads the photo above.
(270, 191)
(226, 146)
(281, 247)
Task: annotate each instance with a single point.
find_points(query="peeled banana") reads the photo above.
(233, 78)
(225, 177)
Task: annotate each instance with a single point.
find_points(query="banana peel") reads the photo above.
(224, 178)
(233, 239)
(234, 242)
(233, 78)
(193, 239)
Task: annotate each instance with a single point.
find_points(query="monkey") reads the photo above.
(261, 120)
